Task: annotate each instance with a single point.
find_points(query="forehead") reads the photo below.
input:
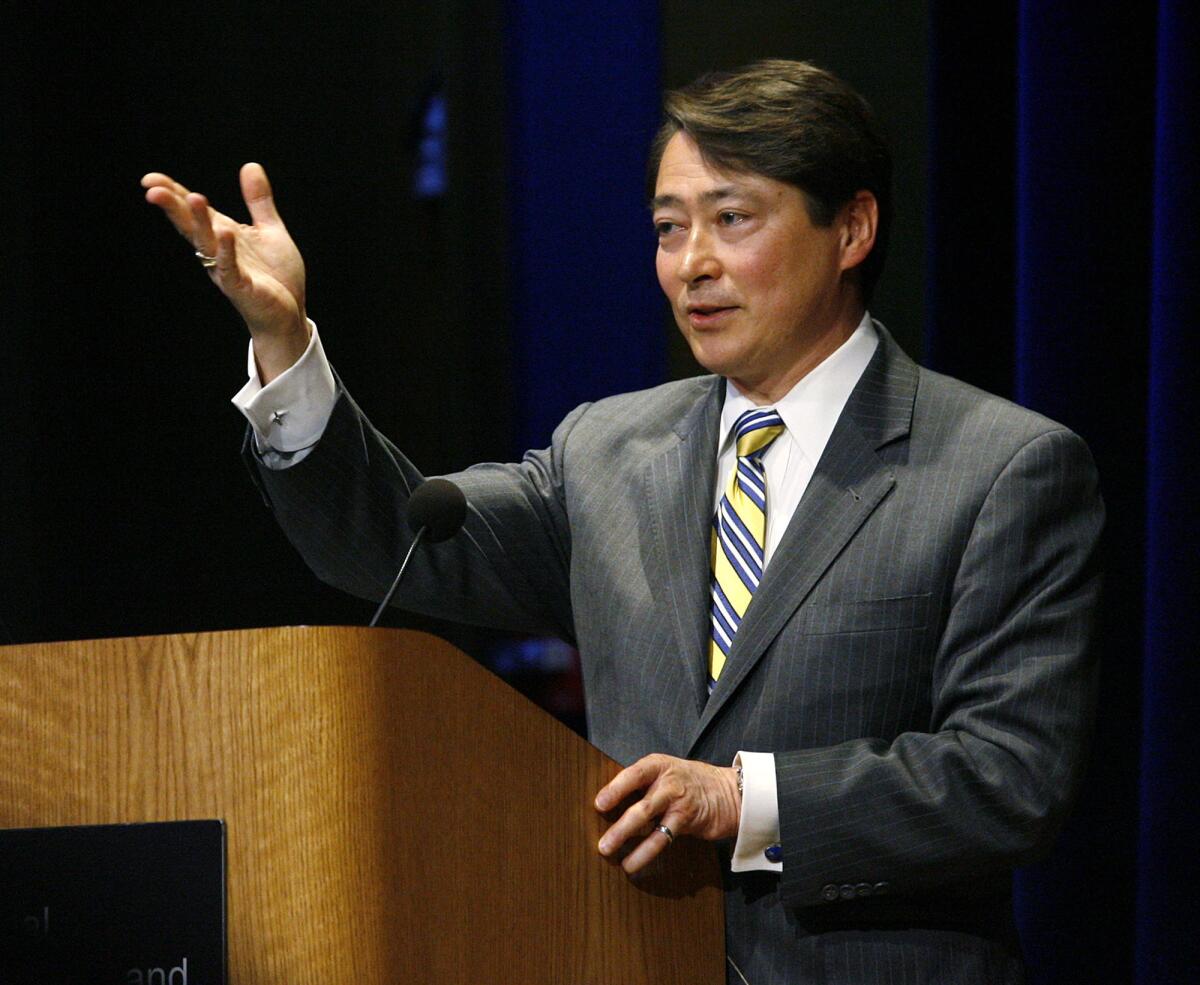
(685, 177)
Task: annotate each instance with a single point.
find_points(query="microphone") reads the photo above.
(436, 511)
(438, 506)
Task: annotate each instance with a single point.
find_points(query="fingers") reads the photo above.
(638, 821)
(156, 179)
(226, 270)
(193, 217)
(188, 211)
(170, 196)
(639, 827)
(202, 237)
(636, 777)
(653, 845)
(256, 190)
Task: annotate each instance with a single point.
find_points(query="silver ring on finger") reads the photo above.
(206, 261)
(667, 831)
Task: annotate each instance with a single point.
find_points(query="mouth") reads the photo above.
(703, 315)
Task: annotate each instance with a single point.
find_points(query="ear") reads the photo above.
(859, 221)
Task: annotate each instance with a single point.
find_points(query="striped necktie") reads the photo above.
(740, 534)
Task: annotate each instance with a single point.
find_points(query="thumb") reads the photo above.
(256, 191)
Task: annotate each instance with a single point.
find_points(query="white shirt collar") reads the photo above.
(811, 408)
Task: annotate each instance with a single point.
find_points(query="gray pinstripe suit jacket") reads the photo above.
(916, 656)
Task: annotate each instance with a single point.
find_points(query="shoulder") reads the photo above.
(985, 449)
(606, 444)
(644, 417)
(668, 402)
(956, 417)
(920, 418)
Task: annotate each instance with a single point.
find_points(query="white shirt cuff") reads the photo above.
(758, 828)
(290, 413)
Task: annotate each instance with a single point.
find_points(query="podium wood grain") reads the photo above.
(394, 812)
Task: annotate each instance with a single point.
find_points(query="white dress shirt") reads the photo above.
(290, 413)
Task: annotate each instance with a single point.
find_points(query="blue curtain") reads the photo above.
(1167, 948)
(583, 105)
(1063, 252)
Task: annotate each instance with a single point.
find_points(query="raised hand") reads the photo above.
(258, 266)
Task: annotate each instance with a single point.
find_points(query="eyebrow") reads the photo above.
(706, 198)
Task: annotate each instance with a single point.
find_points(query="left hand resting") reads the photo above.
(689, 797)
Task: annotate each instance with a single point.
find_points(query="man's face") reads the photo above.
(756, 288)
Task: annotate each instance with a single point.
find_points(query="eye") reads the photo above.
(664, 227)
(728, 218)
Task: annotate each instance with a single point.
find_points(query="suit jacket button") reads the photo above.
(881, 888)
(847, 891)
(864, 889)
(829, 893)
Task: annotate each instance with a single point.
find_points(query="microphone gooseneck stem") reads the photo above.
(399, 574)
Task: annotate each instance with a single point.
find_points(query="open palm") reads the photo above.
(258, 266)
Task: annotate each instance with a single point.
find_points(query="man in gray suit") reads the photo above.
(866, 586)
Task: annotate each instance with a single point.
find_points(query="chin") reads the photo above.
(714, 358)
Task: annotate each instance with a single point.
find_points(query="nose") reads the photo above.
(698, 261)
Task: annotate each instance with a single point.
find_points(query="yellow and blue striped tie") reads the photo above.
(740, 534)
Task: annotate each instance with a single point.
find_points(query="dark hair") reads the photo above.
(793, 122)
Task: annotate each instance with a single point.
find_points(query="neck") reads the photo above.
(771, 389)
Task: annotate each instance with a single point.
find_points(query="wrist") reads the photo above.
(277, 351)
(733, 777)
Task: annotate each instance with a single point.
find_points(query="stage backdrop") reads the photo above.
(465, 181)
(1063, 252)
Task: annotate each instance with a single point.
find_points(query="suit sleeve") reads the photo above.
(344, 506)
(988, 785)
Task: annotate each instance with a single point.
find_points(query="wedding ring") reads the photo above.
(206, 261)
(667, 831)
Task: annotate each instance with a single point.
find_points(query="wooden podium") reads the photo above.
(395, 813)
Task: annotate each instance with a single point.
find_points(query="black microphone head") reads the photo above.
(439, 506)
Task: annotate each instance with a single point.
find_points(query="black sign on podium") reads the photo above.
(120, 904)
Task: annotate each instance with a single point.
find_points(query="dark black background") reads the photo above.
(124, 507)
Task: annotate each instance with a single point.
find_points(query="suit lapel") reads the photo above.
(850, 481)
(679, 490)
